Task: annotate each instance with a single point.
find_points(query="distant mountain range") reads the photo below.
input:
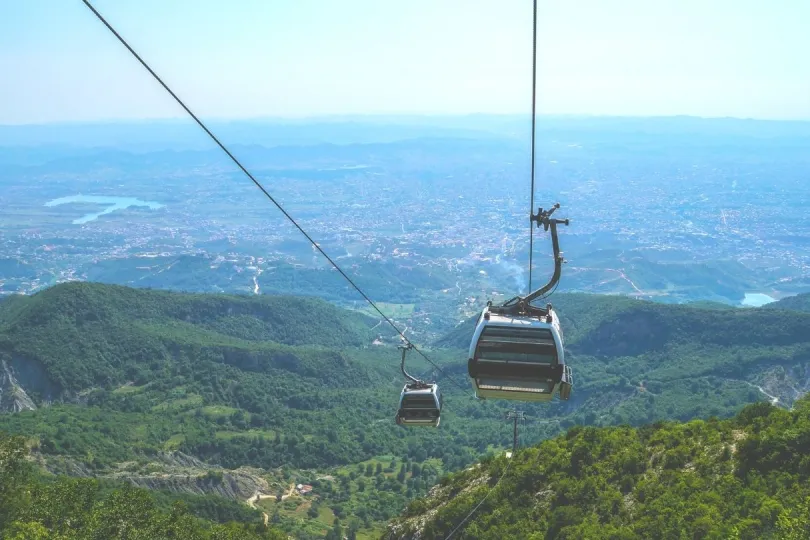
(182, 133)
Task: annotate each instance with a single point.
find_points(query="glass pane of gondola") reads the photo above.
(411, 401)
(533, 345)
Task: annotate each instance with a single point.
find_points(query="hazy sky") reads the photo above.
(251, 58)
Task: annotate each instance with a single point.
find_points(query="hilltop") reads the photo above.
(739, 478)
(799, 302)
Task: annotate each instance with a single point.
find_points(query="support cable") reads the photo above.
(534, 105)
(263, 190)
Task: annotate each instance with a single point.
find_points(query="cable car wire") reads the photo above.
(263, 190)
(534, 99)
(328, 258)
(477, 506)
(549, 293)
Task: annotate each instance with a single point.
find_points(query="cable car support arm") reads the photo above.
(414, 380)
(543, 217)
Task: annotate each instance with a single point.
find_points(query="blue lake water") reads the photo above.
(114, 203)
(757, 299)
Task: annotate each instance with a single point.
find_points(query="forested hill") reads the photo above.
(34, 507)
(615, 320)
(680, 354)
(292, 320)
(75, 336)
(199, 369)
(230, 395)
(104, 375)
(799, 302)
(743, 478)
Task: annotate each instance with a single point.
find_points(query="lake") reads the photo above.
(113, 204)
(757, 299)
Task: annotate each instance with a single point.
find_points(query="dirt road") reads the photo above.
(258, 496)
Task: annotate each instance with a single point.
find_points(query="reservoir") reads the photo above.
(757, 299)
(112, 204)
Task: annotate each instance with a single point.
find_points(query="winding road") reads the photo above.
(258, 496)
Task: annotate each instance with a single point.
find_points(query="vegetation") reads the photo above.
(159, 371)
(799, 302)
(110, 334)
(359, 496)
(292, 383)
(637, 362)
(32, 508)
(745, 478)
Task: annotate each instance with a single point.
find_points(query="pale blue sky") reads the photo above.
(253, 58)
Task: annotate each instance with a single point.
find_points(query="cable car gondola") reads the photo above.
(420, 403)
(517, 351)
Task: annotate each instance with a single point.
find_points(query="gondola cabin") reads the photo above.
(519, 357)
(420, 405)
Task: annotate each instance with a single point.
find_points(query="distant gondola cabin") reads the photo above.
(419, 405)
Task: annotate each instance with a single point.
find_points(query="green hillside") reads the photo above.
(86, 334)
(296, 389)
(129, 373)
(194, 372)
(33, 507)
(799, 302)
(584, 314)
(644, 361)
(745, 478)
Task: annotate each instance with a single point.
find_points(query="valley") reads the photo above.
(433, 218)
(172, 349)
(233, 396)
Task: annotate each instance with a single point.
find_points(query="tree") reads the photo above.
(794, 524)
(352, 532)
(337, 531)
(27, 531)
(15, 473)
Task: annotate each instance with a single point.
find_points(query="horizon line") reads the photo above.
(392, 116)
